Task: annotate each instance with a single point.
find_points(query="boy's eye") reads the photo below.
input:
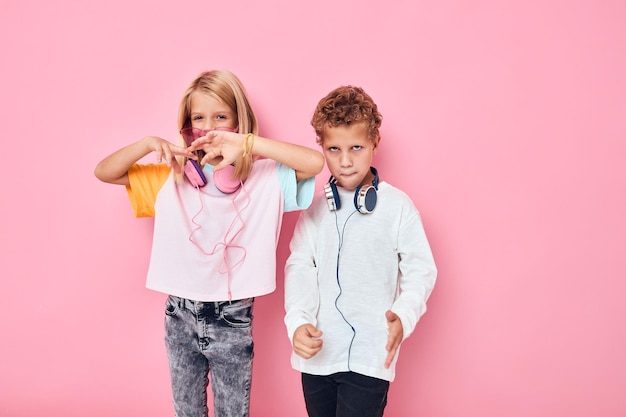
(357, 147)
(333, 149)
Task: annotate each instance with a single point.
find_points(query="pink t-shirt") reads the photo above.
(211, 246)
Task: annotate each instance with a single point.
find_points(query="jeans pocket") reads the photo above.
(238, 313)
(171, 306)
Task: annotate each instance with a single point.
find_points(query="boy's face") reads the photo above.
(349, 153)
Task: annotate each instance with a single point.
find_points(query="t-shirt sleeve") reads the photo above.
(145, 181)
(298, 194)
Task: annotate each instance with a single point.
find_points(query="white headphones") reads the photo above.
(365, 195)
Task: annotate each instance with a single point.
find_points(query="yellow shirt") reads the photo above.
(143, 193)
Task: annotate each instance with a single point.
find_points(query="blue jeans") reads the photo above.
(344, 394)
(209, 339)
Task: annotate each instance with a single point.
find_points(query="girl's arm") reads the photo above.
(114, 168)
(305, 161)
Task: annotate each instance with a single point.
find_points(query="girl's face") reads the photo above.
(349, 152)
(208, 113)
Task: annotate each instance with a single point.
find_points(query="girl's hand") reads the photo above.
(216, 143)
(167, 152)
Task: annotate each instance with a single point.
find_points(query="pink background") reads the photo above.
(505, 122)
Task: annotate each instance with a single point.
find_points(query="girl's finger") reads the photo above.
(200, 141)
(207, 157)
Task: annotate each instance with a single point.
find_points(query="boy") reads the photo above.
(360, 269)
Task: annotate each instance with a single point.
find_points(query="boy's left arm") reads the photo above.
(394, 326)
(417, 274)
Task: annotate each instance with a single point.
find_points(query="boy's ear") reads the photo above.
(376, 143)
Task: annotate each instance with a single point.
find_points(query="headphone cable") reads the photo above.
(340, 235)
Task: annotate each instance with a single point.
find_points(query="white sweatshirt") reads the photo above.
(346, 269)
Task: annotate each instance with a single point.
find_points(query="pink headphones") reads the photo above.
(223, 179)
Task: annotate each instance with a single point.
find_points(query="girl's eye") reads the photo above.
(333, 149)
(196, 118)
(221, 117)
(357, 147)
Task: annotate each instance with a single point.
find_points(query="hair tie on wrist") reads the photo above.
(248, 142)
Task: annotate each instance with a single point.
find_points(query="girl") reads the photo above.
(218, 202)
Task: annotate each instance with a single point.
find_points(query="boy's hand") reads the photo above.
(306, 341)
(396, 333)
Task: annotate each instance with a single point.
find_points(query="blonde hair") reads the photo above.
(225, 87)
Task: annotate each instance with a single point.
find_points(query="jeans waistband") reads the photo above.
(195, 306)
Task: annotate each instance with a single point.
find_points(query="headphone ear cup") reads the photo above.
(225, 181)
(365, 199)
(194, 173)
(332, 196)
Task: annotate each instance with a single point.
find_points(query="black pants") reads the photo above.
(344, 394)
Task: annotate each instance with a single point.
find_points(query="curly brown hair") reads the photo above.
(345, 106)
